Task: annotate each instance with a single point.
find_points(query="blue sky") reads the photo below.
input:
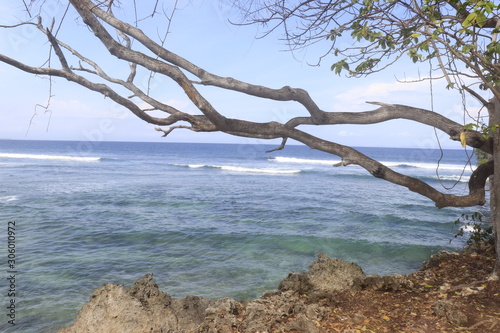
(200, 32)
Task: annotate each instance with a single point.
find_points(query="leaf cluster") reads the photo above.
(481, 231)
(367, 36)
(424, 30)
(486, 131)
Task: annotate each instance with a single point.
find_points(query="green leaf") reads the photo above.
(339, 66)
(467, 48)
(470, 20)
(489, 6)
(474, 18)
(481, 19)
(469, 127)
(425, 46)
(493, 47)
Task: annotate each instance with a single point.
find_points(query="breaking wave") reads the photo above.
(50, 157)
(281, 159)
(230, 168)
(432, 166)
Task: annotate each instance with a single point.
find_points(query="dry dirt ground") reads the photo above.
(450, 294)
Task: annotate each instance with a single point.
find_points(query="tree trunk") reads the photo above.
(495, 185)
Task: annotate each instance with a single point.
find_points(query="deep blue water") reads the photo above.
(212, 220)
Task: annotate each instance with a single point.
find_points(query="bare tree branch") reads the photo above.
(99, 17)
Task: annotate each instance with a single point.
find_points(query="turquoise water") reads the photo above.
(210, 220)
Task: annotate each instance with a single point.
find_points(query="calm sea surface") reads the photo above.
(211, 220)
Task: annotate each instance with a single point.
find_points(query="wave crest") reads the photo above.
(260, 170)
(416, 165)
(50, 157)
(9, 198)
(282, 159)
(231, 168)
(431, 166)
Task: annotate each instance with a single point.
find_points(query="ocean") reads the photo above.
(212, 220)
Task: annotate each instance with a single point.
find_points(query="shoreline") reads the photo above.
(451, 290)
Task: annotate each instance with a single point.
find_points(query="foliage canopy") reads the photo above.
(460, 36)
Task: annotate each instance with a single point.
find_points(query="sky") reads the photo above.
(201, 32)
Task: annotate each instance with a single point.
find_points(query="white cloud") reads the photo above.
(447, 102)
(394, 92)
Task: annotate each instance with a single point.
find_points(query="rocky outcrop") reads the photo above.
(302, 299)
(142, 308)
(325, 274)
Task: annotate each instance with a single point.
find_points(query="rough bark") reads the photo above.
(495, 207)
(495, 188)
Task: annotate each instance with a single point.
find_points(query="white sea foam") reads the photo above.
(9, 198)
(50, 157)
(231, 168)
(455, 178)
(260, 170)
(468, 228)
(456, 167)
(433, 166)
(282, 159)
(192, 166)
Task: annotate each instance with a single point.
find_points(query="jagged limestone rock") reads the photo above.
(325, 274)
